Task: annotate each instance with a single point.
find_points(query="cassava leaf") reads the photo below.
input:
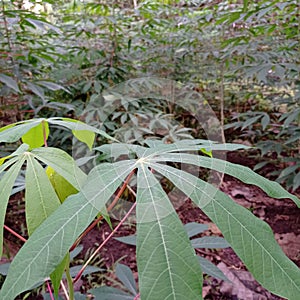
(50, 242)
(57, 274)
(258, 250)
(10, 82)
(40, 197)
(110, 293)
(85, 136)
(61, 186)
(78, 125)
(13, 132)
(210, 242)
(245, 174)
(194, 228)
(6, 184)
(62, 163)
(125, 275)
(129, 239)
(36, 136)
(210, 269)
(167, 265)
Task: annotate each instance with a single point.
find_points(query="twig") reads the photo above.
(65, 290)
(110, 207)
(104, 242)
(15, 233)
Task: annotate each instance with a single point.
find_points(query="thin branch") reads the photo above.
(109, 208)
(104, 242)
(15, 233)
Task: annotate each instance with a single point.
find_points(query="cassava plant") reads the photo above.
(167, 265)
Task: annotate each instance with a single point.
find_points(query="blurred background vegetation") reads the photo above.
(243, 57)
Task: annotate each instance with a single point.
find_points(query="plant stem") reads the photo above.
(15, 233)
(70, 282)
(49, 290)
(44, 134)
(104, 242)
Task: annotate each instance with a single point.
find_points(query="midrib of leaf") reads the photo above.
(183, 176)
(161, 233)
(29, 159)
(14, 276)
(176, 273)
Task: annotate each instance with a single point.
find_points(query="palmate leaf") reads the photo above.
(50, 242)
(167, 264)
(251, 238)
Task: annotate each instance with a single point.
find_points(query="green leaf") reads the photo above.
(61, 186)
(63, 164)
(210, 242)
(164, 253)
(78, 125)
(49, 243)
(245, 174)
(40, 197)
(258, 249)
(125, 275)
(10, 82)
(6, 184)
(110, 293)
(37, 135)
(12, 157)
(13, 132)
(57, 274)
(85, 136)
(88, 270)
(208, 153)
(52, 86)
(4, 268)
(210, 269)
(129, 239)
(194, 228)
(296, 181)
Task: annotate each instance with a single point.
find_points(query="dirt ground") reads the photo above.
(281, 215)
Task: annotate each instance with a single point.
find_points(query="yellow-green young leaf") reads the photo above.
(3, 159)
(61, 186)
(208, 153)
(85, 136)
(57, 274)
(7, 127)
(37, 135)
(40, 197)
(20, 150)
